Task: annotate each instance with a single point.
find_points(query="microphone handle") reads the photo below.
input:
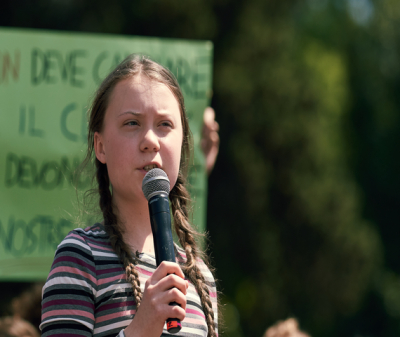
(160, 219)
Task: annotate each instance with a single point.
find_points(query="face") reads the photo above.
(142, 129)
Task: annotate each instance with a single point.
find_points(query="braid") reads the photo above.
(179, 197)
(130, 67)
(112, 229)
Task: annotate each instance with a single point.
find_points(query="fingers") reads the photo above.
(215, 126)
(174, 295)
(210, 138)
(209, 123)
(173, 311)
(209, 116)
(168, 284)
(166, 268)
(161, 300)
(165, 286)
(173, 282)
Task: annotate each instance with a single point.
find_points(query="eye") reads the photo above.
(166, 124)
(132, 123)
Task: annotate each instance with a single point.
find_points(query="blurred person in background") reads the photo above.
(287, 328)
(16, 327)
(27, 305)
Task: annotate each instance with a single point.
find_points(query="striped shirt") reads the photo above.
(86, 292)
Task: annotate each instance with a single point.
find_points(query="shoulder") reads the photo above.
(82, 247)
(88, 233)
(85, 238)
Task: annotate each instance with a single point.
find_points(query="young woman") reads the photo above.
(104, 280)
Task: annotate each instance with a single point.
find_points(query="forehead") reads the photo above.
(142, 96)
(143, 91)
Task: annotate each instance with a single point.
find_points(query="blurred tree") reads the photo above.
(311, 253)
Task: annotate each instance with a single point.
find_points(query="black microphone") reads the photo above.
(156, 187)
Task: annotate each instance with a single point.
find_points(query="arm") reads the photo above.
(68, 295)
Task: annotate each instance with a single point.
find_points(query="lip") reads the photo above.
(151, 163)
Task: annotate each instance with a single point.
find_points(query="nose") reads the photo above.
(150, 142)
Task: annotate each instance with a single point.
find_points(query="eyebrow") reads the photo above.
(135, 113)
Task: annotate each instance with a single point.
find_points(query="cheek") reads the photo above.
(116, 160)
(177, 153)
(117, 146)
(174, 175)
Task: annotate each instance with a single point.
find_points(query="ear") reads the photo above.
(99, 148)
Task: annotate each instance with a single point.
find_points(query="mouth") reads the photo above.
(147, 168)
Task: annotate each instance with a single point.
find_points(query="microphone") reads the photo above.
(156, 188)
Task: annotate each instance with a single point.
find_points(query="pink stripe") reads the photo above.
(100, 247)
(75, 236)
(213, 294)
(117, 314)
(67, 313)
(192, 311)
(145, 272)
(182, 254)
(92, 243)
(74, 260)
(194, 321)
(73, 271)
(113, 278)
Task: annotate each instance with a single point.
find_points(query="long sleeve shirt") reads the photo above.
(86, 292)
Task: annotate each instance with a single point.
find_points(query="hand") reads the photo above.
(210, 138)
(166, 285)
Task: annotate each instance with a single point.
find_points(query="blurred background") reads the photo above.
(303, 204)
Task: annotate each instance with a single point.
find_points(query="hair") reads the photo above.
(287, 328)
(137, 65)
(16, 327)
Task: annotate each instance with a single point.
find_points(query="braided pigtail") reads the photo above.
(112, 229)
(180, 198)
(135, 65)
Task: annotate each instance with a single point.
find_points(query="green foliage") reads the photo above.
(313, 254)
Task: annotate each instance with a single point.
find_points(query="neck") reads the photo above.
(134, 220)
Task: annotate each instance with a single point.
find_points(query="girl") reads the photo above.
(99, 283)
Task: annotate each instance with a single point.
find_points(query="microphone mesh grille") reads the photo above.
(156, 180)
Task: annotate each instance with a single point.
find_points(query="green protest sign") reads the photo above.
(46, 82)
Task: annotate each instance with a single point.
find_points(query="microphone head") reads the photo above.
(155, 182)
